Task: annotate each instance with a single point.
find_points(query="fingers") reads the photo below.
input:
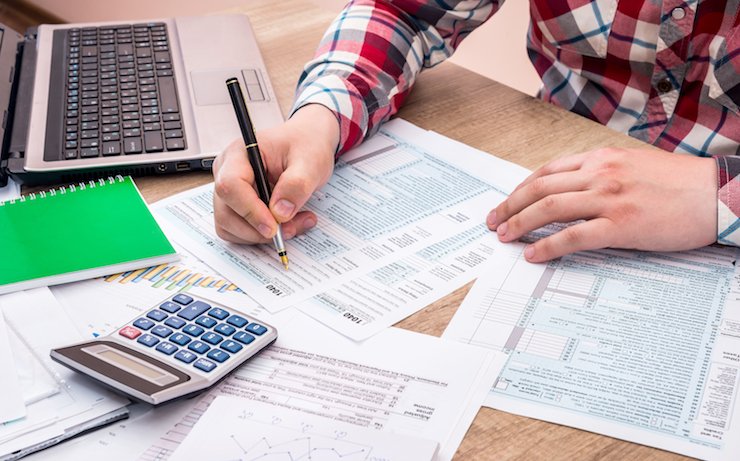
(234, 191)
(295, 186)
(534, 191)
(587, 235)
(560, 165)
(232, 227)
(566, 207)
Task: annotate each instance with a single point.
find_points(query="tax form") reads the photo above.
(397, 381)
(640, 346)
(365, 305)
(387, 199)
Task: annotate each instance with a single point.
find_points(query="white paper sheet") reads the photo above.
(122, 440)
(12, 405)
(387, 199)
(233, 428)
(372, 302)
(36, 317)
(640, 346)
(35, 380)
(10, 191)
(396, 381)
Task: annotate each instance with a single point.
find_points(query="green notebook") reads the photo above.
(78, 232)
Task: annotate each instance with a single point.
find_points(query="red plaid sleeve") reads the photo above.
(372, 53)
(728, 200)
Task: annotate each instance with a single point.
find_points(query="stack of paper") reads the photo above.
(57, 403)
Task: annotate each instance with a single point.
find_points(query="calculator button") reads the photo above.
(157, 316)
(144, 324)
(212, 338)
(193, 330)
(170, 307)
(180, 339)
(217, 313)
(175, 323)
(206, 322)
(205, 365)
(161, 331)
(193, 310)
(256, 328)
(166, 348)
(199, 347)
(182, 299)
(237, 321)
(218, 355)
(244, 338)
(226, 330)
(231, 346)
(129, 332)
(185, 356)
(147, 340)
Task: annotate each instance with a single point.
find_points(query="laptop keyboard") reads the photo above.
(121, 94)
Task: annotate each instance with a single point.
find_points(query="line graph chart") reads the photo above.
(234, 429)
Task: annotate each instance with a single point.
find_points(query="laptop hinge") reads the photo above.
(18, 108)
(9, 67)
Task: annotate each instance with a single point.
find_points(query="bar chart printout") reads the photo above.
(639, 346)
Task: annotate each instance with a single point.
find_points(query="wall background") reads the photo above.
(496, 50)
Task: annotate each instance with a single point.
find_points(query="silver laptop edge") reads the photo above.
(205, 51)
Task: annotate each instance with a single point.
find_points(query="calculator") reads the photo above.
(178, 348)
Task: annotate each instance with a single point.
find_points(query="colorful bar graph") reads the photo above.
(172, 278)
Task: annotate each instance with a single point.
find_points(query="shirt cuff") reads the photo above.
(728, 200)
(337, 95)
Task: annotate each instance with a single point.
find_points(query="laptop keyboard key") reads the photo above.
(132, 145)
(153, 141)
(175, 144)
(125, 49)
(89, 152)
(111, 148)
(168, 95)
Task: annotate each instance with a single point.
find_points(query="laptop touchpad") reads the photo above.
(209, 86)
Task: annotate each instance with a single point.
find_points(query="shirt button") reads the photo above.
(664, 86)
(678, 13)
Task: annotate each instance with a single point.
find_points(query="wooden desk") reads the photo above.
(481, 113)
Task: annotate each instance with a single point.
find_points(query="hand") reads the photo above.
(638, 199)
(299, 158)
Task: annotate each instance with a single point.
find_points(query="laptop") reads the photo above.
(82, 101)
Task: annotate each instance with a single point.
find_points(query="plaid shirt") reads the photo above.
(666, 72)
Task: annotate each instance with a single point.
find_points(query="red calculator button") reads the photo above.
(129, 332)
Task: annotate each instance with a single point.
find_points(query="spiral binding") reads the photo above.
(64, 190)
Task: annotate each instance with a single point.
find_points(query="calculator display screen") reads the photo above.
(112, 356)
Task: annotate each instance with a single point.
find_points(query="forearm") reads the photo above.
(372, 53)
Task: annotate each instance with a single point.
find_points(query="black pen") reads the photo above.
(255, 159)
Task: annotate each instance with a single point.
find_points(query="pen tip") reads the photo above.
(284, 260)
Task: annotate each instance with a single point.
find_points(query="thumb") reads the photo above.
(293, 189)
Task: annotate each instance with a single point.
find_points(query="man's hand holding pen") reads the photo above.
(299, 158)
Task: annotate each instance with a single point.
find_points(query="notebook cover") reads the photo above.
(104, 224)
